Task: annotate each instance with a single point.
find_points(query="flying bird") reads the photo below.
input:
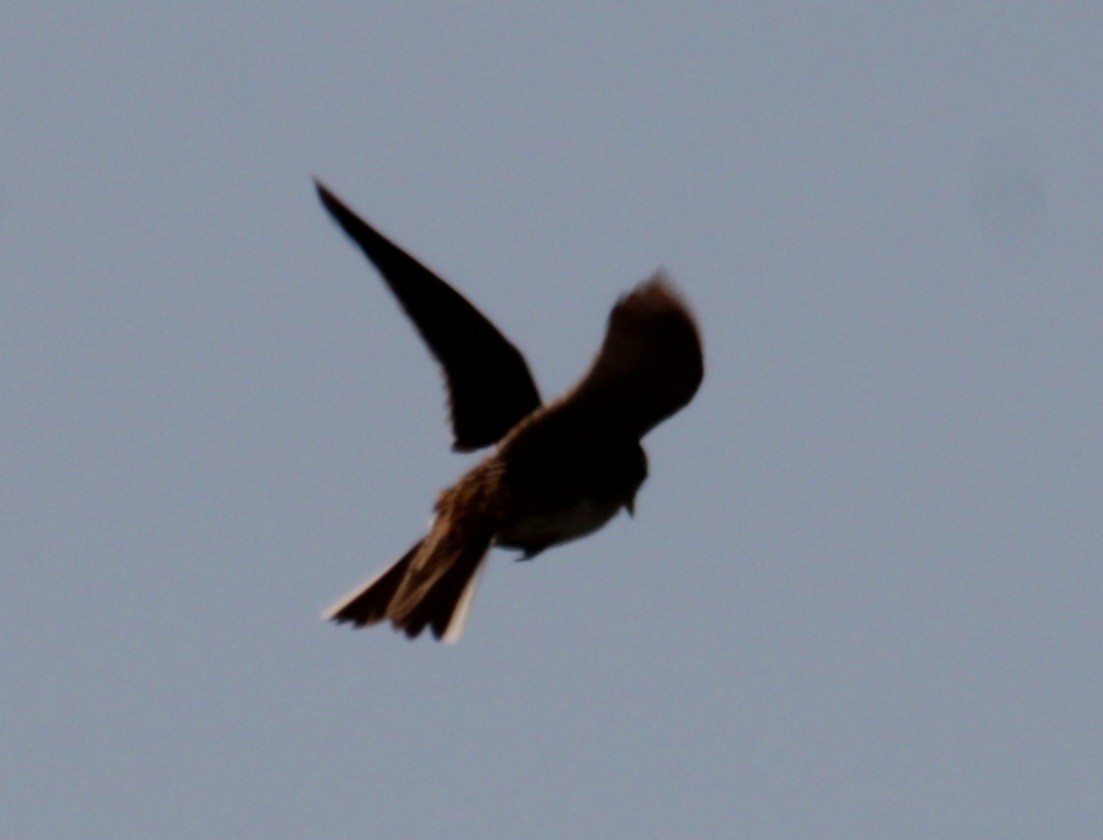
(558, 471)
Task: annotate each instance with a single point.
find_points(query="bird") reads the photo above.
(558, 470)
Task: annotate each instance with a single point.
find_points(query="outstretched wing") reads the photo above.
(490, 388)
(649, 366)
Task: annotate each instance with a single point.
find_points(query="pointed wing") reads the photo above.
(490, 388)
(649, 366)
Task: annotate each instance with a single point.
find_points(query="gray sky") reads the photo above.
(861, 597)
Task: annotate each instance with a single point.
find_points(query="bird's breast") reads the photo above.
(540, 530)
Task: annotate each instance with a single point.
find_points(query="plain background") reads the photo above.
(862, 594)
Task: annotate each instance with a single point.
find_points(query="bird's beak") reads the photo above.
(630, 506)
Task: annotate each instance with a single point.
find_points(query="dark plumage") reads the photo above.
(559, 471)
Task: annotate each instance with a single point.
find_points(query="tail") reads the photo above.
(367, 604)
(431, 585)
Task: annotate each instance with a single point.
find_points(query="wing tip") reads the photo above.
(658, 292)
(331, 202)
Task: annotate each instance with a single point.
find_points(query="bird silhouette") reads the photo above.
(558, 471)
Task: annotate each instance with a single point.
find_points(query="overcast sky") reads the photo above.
(862, 593)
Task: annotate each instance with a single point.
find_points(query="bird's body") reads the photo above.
(562, 482)
(558, 472)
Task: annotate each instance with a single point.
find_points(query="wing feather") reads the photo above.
(490, 388)
(649, 365)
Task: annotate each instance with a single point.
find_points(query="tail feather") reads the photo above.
(367, 604)
(443, 606)
(450, 633)
(431, 585)
(437, 589)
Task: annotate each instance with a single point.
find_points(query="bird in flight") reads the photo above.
(558, 471)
